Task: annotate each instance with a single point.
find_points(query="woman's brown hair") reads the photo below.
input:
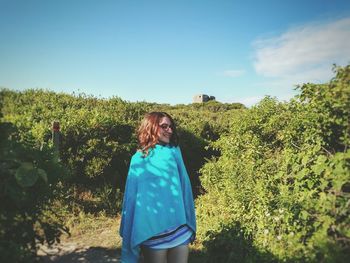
(147, 133)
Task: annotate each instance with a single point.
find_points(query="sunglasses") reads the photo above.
(166, 126)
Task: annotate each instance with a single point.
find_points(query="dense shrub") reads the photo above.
(284, 177)
(98, 136)
(29, 183)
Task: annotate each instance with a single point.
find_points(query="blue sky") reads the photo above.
(168, 51)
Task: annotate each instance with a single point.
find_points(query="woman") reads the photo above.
(158, 216)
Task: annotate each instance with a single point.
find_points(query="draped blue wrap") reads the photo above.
(157, 196)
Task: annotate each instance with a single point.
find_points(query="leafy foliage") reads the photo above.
(284, 177)
(98, 136)
(29, 179)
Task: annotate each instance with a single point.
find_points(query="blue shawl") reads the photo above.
(157, 196)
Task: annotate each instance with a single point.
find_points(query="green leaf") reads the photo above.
(318, 168)
(310, 183)
(42, 174)
(26, 175)
(304, 215)
(305, 160)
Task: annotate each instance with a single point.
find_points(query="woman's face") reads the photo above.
(165, 130)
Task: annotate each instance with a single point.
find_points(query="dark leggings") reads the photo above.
(177, 254)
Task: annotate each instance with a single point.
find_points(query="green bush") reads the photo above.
(29, 183)
(284, 177)
(98, 136)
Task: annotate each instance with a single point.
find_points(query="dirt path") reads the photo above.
(96, 241)
(70, 252)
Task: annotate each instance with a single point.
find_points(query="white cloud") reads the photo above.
(233, 73)
(304, 54)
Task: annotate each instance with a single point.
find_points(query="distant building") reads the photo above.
(200, 98)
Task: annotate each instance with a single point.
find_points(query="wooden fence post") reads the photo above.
(56, 135)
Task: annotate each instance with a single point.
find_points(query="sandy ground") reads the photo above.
(70, 252)
(99, 245)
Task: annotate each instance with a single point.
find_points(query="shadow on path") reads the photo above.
(84, 255)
